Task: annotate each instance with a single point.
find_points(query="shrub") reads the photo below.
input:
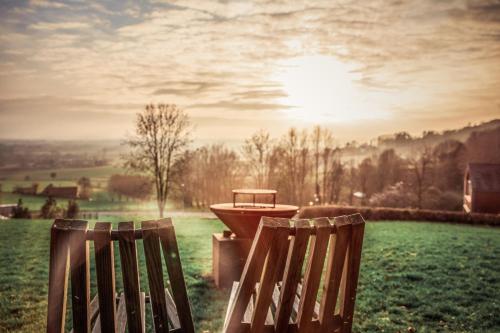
(399, 214)
(50, 210)
(73, 209)
(20, 212)
(448, 200)
(394, 196)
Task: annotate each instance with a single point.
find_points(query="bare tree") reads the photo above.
(162, 134)
(257, 151)
(316, 141)
(328, 152)
(335, 177)
(207, 175)
(421, 168)
(352, 181)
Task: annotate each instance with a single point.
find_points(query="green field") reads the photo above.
(63, 174)
(433, 277)
(101, 200)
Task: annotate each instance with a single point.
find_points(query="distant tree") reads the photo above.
(396, 195)
(85, 187)
(72, 210)
(53, 175)
(328, 152)
(402, 137)
(207, 175)
(162, 134)
(50, 210)
(389, 169)
(20, 212)
(366, 176)
(335, 179)
(316, 136)
(295, 166)
(131, 186)
(450, 162)
(27, 177)
(257, 151)
(421, 168)
(352, 181)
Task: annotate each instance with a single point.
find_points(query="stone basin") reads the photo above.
(244, 218)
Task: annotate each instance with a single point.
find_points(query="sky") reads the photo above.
(83, 69)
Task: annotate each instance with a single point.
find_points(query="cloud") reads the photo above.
(61, 25)
(46, 4)
(220, 58)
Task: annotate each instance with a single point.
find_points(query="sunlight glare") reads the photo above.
(323, 89)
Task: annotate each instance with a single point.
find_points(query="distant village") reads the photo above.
(65, 192)
(50, 192)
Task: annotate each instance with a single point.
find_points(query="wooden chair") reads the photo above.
(109, 312)
(271, 296)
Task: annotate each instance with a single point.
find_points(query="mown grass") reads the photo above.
(433, 277)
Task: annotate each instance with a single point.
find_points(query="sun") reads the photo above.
(323, 89)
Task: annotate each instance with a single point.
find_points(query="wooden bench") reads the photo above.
(108, 311)
(272, 296)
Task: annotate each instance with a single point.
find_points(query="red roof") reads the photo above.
(70, 192)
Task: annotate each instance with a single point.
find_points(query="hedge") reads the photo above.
(401, 214)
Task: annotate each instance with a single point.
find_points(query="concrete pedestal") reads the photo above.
(228, 258)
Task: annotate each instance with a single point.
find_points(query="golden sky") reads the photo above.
(81, 69)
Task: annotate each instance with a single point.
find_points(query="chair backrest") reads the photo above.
(272, 296)
(69, 253)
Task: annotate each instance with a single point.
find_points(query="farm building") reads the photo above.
(68, 192)
(7, 209)
(31, 190)
(482, 188)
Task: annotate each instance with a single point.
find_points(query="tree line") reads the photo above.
(307, 167)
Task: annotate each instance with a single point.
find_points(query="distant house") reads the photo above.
(31, 190)
(7, 209)
(482, 188)
(68, 192)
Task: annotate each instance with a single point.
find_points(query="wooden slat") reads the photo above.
(269, 277)
(152, 253)
(80, 276)
(251, 272)
(312, 277)
(247, 317)
(350, 278)
(176, 276)
(142, 296)
(105, 273)
(297, 302)
(94, 315)
(130, 273)
(292, 274)
(335, 264)
(121, 315)
(173, 317)
(232, 296)
(94, 308)
(58, 277)
(97, 326)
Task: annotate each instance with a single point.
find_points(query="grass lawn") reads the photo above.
(433, 277)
